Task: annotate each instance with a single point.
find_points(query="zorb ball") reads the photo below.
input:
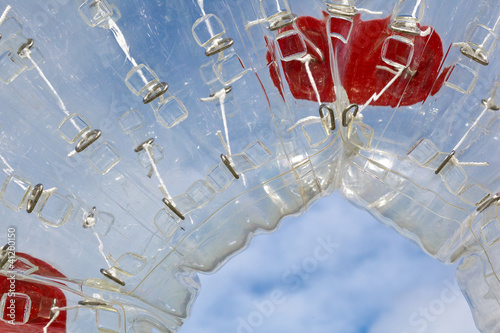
(144, 142)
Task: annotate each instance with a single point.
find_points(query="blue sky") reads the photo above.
(334, 269)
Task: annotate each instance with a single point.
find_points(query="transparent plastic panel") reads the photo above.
(462, 79)
(166, 223)
(230, 69)
(72, 127)
(208, 28)
(410, 10)
(340, 27)
(474, 194)
(423, 152)
(167, 134)
(315, 134)
(104, 158)
(14, 192)
(200, 193)
(11, 65)
(171, 112)
(10, 27)
(140, 78)
(406, 16)
(397, 51)
(55, 210)
(131, 121)
(257, 154)
(108, 320)
(291, 46)
(95, 12)
(21, 302)
(219, 178)
(490, 232)
(483, 38)
(272, 8)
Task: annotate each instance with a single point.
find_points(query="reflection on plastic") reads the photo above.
(166, 136)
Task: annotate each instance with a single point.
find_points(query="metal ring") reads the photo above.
(491, 107)
(344, 113)
(446, 160)
(36, 193)
(87, 139)
(219, 46)
(113, 278)
(88, 222)
(229, 165)
(478, 57)
(228, 89)
(91, 303)
(173, 208)
(141, 146)
(158, 90)
(488, 203)
(54, 305)
(282, 21)
(4, 256)
(330, 112)
(28, 45)
(95, 3)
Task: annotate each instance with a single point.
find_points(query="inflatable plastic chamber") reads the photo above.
(144, 142)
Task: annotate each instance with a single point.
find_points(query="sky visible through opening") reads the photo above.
(334, 269)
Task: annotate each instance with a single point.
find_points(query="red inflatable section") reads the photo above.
(359, 62)
(30, 303)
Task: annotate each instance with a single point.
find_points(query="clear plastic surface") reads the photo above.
(144, 142)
